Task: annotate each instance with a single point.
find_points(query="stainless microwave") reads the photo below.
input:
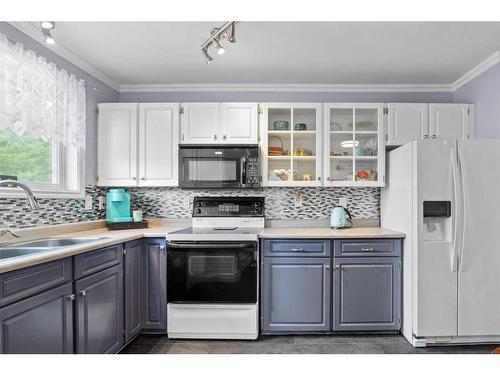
(219, 166)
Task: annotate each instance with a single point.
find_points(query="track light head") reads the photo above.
(47, 25)
(232, 38)
(220, 49)
(208, 59)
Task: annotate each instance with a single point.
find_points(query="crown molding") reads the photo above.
(286, 87)
(35, 33)
(477, 70)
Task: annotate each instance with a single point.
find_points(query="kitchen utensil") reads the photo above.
(281, 125)
(300, 126)
(340, 218)
(275, 150)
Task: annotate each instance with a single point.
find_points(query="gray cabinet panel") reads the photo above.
(40, 324)
(133, 265)
(88, 263)
(99, 316)
(367, 294)
(26, 282)
(297, 248)
(367, 248)
(155, 285)
(296, 294)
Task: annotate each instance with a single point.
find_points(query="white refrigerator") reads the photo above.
(445, 195)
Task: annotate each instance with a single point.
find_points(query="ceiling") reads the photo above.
(282, 52)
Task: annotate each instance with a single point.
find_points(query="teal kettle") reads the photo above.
(340, 218)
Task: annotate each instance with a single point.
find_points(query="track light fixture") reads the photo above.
(217, 34)
(47, 27)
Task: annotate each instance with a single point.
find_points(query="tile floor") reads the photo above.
(300, 344)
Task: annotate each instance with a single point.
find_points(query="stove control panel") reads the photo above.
(228, 207)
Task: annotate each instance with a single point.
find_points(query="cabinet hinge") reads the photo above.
(259, 109)
(468, 111)
(387, 137)
(97, 111)
(386, 111)
(124, 251)
(399, 320)
(181, 110)
(124, 335)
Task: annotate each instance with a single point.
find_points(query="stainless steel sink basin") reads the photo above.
(56, 242)
(37, 246)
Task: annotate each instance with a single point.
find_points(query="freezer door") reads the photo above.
(435, 276)
(479, 256)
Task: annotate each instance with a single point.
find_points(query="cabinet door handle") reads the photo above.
(83, 293)
(367, 249)
(297, 249)
(183, 136)
(327, 267)
(327, 178)
(71, 297)
(224, 137)
(143, 178)
(215, 137)
(319, 178)
(426, 136)
(162, 247)
(337, 267)
(134, 178)
(433, 136)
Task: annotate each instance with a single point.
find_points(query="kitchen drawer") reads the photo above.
(297, 248)
(378, 248)
(26, 282)
(97, 260)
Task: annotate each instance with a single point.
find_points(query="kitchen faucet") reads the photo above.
(34, 205)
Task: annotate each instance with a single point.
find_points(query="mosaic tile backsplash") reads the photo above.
(281, 203)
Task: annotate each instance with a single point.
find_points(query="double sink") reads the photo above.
(42, 245)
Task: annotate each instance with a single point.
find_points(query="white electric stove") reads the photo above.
(213, 270)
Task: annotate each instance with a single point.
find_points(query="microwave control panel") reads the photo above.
(252, 172)
(228, 206)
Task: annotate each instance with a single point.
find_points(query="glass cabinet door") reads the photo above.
(354, 138)
(292, 154)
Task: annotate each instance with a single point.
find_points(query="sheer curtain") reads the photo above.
(38, 98)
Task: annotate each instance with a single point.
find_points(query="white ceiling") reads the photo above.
(283, 52)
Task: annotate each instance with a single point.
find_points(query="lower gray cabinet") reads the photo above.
(133, 266)
(155, 285)
(296, 294)
(99, 314)
(367, 294)
(40, 324)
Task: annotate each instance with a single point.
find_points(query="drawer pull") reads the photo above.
(367, 249)
(297, 249)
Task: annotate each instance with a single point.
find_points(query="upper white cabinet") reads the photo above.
(354, 144)
(291, 144)
(406, 122)
(117, 144)
(226, 123)
(450, 121)
(410, 121)
(137, 144)
(158, 144)
(239, 123)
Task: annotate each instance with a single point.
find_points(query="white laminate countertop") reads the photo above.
(359, 232)
(162, 230)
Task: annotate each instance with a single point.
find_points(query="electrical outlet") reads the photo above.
(88, 203)
(343, 201)
(101, 201)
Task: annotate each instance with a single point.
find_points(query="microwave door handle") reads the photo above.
(243, 171)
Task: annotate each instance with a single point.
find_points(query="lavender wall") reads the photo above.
(484, 92)
(373, 97)
(103, 94)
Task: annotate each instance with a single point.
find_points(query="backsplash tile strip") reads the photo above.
(162, 202)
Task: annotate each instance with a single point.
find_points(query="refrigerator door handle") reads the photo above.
(465, 194)
(456, 213)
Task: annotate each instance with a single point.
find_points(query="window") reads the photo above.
(42, 124)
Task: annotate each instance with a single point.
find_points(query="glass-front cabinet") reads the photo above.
(291, 144)
(354, 145)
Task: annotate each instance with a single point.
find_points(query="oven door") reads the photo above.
(212, 272)
(212, 167)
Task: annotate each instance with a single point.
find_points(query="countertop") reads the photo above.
(162, 230)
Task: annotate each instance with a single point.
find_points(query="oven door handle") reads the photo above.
(243, 171)
(183, 245)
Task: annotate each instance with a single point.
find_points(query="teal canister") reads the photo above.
(340, 218)
(118, 206)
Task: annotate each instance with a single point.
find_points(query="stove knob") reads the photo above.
(198, 211)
